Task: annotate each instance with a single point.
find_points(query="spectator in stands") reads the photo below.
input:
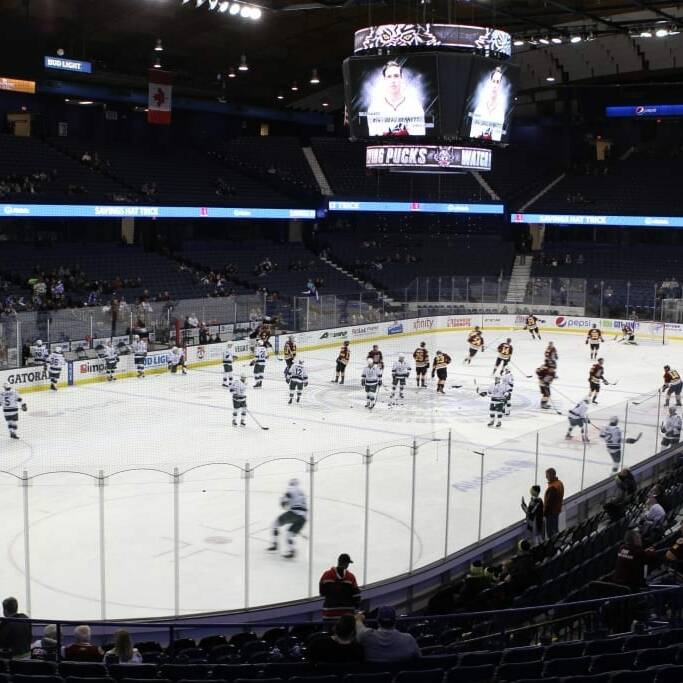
(632, 559)
(534, 515)
(475, 581)
(340, 647)
(520, 571)
(82, 650)
(123, 651)
(45, 648)
(674, 555)
(653, 522)
(660, 494)
(552, 502)
(386, 643)
(339, 589)
(15, 636)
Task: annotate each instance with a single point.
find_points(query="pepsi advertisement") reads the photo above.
(644, 111)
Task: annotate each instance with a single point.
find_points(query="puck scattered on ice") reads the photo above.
(203, 490)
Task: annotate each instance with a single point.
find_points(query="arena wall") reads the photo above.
(86, 371)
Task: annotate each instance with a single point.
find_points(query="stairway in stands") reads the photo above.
(369, 287)
(519, 279)
(318, 173)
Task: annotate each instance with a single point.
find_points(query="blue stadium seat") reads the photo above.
(31, 667)
(120, 671)
(574, 666)
(604, 646)
(473, 674)
(618, 661)
(420, 676)
(384, 677)
(655, 656)
(81, 679)
(633, 677)
(511, 672)
(177, 672)
(564, 650)
(594, 678)
(22, 678)
(522, 654)
(670, 674)
(314, 679)
(478, 658)
(82, 670)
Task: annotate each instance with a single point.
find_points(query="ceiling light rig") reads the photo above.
(234, 9)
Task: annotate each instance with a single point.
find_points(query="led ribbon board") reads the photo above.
(63, 64)
(428, 157)
(487, 41)
(128, 211)
(645, 111)
(416, 207)
(580, 219)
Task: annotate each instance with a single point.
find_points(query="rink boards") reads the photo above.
(86, 371)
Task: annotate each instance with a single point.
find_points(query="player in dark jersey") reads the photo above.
(546, 376)
(504, 355)
(475, 340)
(421, 357)
(672, 385)
(289, 351)
(596, 376)
(594, 338)
(342, 361)
(531, 324)
(439, 368)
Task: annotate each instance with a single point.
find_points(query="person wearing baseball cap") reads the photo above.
(385, 643)
(339, 589)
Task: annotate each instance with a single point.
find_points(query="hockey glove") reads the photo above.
(24, 407)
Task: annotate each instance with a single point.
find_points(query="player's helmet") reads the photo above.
(614, 421)
(58, 349)
(601, 360)
(375, 347)
(6, 386)
(476, 328)
(370, 363)
(259, 342)
(672, 410)
(39, 342)
(294, 482)
(243, 377)
(667, 367)
(508, 340)
(423, 344)
(346, 343)
(300, 361)
(291, 337)
(136, 337)
(496, 380)
(401, 356)
(551, 363)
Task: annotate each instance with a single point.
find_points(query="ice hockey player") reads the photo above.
(378, 359)
(55, 363)
(546, 376)
(672, 385)
(475, 340)
(297, 378)
(238, 389)
(176, 359)
(40, 352)
(289, 351)
(577, 417)
(497, 394)
(508, 380)
(596, 376)
(342, 361)
(628, 336)
(371, 379)
(531, 324)
(421, 357)
(399, 375)
(594, 338)
(111, 360)
(551, 354)
(612, 436)
(504, 355)
(440, 369)
(228, 360)
(259, 363)
(671, 428)
(10, 407)
(139, 349)
(294, 518)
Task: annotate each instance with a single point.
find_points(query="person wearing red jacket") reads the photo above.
(340, 590)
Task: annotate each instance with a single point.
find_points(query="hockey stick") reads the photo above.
(520, 369)
(647, 398)
(251, 415)
(634, 439)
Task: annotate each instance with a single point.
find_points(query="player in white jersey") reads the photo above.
(497, 394)
(238, 389)
(671, 428)
(228, 360)
(11, 401)
(577, 417)
(294, 518)
(399, 375)
(371, 379)
(55, 363)
(40, 353)
(612, 436)
(508, 380)
(111, 359)
(139, 349)
(296, 377)
(176, 359)
(259, 363)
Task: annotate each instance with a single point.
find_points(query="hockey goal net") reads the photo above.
(651, 332)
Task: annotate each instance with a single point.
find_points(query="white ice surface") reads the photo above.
(138, 431)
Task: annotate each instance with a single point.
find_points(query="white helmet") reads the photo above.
(614, 421)
(294, 482)
(229, 345)
(401, 356)
(291, 337)
(6, 386)
(370, 363)
(175, 349)
(300, 361)
(259, 342)
(39, 342)
(136, 337)
(58, 349)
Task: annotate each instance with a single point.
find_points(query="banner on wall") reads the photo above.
(159, 97)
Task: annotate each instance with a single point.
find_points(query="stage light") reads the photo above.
(200, 2)
(556, 40)
(159, 46)
(256, 13)
(326, 104)
(518, 42)
(245, 12)
(550, 78)
(662, 32)
(234, 9)
(243, 64)
(157, 63)
(575, 39)
(314, 77)
(674, 31)
(280, 96)
(224, 6)
(294, 87)
(646, 33)
(231, 72)
(544, 41)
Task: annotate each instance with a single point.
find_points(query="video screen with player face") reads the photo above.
(489, 100)
(392, 97)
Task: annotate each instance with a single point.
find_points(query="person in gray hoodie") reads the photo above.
(385, 643)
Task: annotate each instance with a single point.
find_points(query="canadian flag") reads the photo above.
(159, 98)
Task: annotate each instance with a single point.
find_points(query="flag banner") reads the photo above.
(159, 102)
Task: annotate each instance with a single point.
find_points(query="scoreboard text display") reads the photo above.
(428, 157)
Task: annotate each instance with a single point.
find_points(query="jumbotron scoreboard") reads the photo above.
(430, 98)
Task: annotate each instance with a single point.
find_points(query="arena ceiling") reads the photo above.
(291, 38)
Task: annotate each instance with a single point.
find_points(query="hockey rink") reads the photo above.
(141, 545)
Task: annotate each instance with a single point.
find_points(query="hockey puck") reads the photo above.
(203, 490)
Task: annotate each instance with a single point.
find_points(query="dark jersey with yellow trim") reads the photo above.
(475, 340)
(671, 377)
(344, 355)
(504, 351)
(421, 357)
(594, 335)
(441, 360)
(289, 350)
(531, 322)
(545, 375)
(596, 373)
